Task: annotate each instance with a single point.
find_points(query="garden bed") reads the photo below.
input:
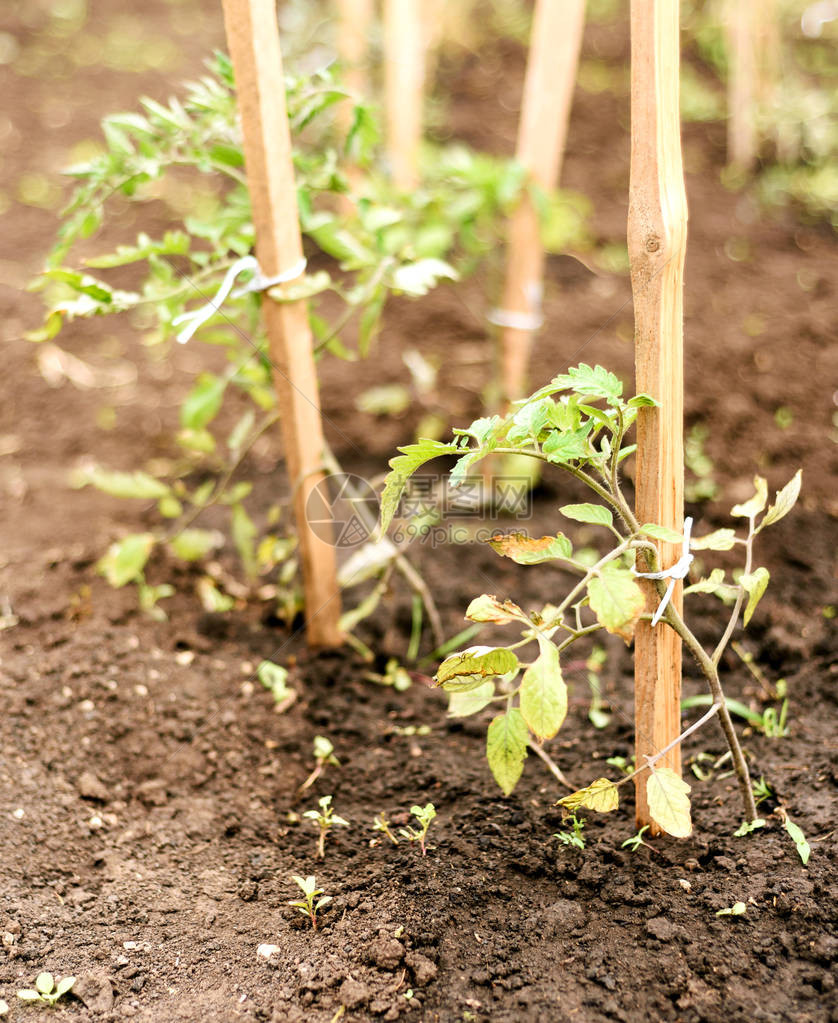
(148, 791)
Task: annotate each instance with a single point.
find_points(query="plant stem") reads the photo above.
(552, 766)
(711, 673)
(740, 597)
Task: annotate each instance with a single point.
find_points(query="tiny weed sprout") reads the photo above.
(424, 815)
(47, 989)
(275, 679)
(636, 841)
(309, 905)
(325, 818)
(795, 833)
(579, 423)
(324, 753)
(380, 823)
(575, 837)
(762, 790)
(746, 827)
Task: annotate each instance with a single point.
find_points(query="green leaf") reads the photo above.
(463, 704)
(544, 693)
(467, 670)
(275, 678)
(527, 550)
(244, 536)
(28, 995)
(126, 559)
(713, 584)
(124, 484)
(753, 507)
(593, 513)
(718, 540)
(403, 466)
(784, 502)
(642, 401)
(669, 804)
(755, 584)
(796, 835)
(64, 985)
(203, 402)
(746, 827)
(194, 544)
(487, 608)
(44, 983)
(601, 796)
(212, 599)
(616, 600)
(418, 278)
(567, 446)
(506, 748)
(662, 533)
(592, 380)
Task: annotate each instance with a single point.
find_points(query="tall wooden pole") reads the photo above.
(657, 234)
(542, 132)
(253, 40)
(404, 84)
(354, 23)
(743, 18)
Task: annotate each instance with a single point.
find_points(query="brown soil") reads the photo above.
(148, 791)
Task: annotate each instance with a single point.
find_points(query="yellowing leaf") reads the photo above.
(462, 704)
(669, 804)
(756, 503)
(616, 600)
(469, 669)
(544, 693)
(125, 559)
(487, 608)
(755, 585)
(601, 796)
(529, 550)
(785, 500)
(506, 748)
(719, 540)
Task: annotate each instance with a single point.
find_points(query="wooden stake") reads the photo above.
(253, 39)
(657, 233)
(542, 131)
(354, 23)
(404, 74)
(742, 83)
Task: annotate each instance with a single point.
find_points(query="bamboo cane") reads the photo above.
(542, 132)
(253, 40)
(657, 231)
(404, 74)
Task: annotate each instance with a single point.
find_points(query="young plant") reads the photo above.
(200, 284)
(324, 753)
(424, 815)
(636, 841)
(380, 823)
(47, 990)
(325, 819)
(575, 837)
(579, 423)
(310, 905)
(275, 679)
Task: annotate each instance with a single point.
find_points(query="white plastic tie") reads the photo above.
(515, 321)
(196, 318)
(678, 571)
